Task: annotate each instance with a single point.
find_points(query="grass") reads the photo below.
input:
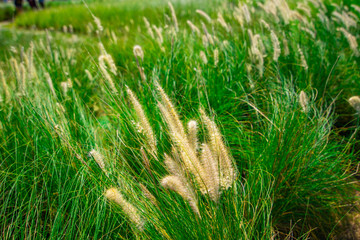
(296, 162)
(7, 11)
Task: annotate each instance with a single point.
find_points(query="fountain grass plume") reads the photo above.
(148, 27)
(203, 57)
(303, 62)
(216, 57)
(194, 28)
(169, 110)
(5, 86)
(173, 15)
(304, 101)
(192, 134)
(223, 23)
(138, 52)
(99, 159)
(50, 83)
(204, 15)
(227, 170)
(130, 210)
(144, 122)
(175, 184)
(351, 40)
(276, 46)
(211, 168)
(354, 101)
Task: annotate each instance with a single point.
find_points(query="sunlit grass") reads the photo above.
(82, 113)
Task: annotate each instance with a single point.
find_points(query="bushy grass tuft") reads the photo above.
(177, 126)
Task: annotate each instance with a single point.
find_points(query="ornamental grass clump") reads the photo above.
(195, 170)
(212, 167)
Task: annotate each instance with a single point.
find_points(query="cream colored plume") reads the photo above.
(131, 212)
(138, 52)
(173, 15)
(302, 59)
(203, 57)
(351, 40)
(223, 23)
(172, 116)
(98, 24)
(219, 150)
(211, 167)
(148, 195)
(174, 183)
(5, 86)
(216, 57)
(304, 101)
(194, 28)
(50, 83)
(148, 27)
(276, 46)
(99, 159)
(256, 51)
(355, 103)
(192, 134)
(144, 122)
(204, 15)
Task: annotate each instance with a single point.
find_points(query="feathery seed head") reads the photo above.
(148, 195)
(50, 83)
(246, 12)
(355, 103)
(144, 122)
(286, 46)
(65, 87)
(212, 177)
(4, 85)
(193, 27)
(98, 158)
(138, 52)
(175, 184)
(218, 148)
(132, 213)
(89, 76)
(204, 14)
(98, 24)
(108, 78)
(106, 60)
(351, 40)
(173, 14)
(203, 57)
(276, 46)
(112, 194)
(223, 23)
(158, 32)
(148, 27)
(192, 134)
(302, 59)
(216, 57)
(356, 7)
(266, 25)
(304, 101)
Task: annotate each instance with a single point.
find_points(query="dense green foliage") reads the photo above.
(279, 99)
(7, 11)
